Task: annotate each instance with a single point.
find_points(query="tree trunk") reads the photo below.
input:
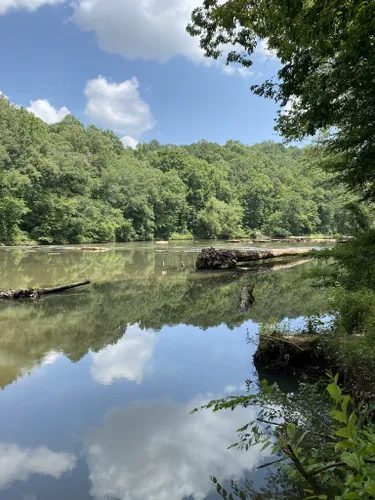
(211, 258)
(34, 293)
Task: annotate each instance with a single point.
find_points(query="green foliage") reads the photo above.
(186, 236)
(65, 183)
(327, 58)
(219, 220)
(350, 277)
(330, 454)
(11, 212)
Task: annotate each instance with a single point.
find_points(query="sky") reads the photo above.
(129, 66)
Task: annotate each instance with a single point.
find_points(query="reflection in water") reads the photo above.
(159, 451)
(89, 320)
(77, 345)
(51, 357)
(19, 463)
(125, 359)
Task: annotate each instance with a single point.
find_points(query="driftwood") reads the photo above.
(211, 258)
(34, 293)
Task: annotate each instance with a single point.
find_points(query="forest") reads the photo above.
(66, 183)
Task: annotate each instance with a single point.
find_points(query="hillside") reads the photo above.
(65, 183)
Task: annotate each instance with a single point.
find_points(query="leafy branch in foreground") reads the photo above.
(329, 453)
(325, 75)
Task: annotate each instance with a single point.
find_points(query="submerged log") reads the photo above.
(212, 258)
(34, 293)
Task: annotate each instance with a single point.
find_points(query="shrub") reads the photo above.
(280, 232)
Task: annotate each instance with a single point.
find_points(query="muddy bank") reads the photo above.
(298, 355)
(310, 357)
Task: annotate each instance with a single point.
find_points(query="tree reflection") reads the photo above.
(135, 287)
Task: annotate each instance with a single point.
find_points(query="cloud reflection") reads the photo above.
(19, 463)
(126, 359)
(51, 357)
(159, 451)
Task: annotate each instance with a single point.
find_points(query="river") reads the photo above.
(98, 383)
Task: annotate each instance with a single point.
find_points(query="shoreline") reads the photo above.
(308, 357)
(105, 245)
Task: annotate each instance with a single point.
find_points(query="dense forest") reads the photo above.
(65, 183)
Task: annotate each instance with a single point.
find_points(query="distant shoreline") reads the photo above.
(105, 246)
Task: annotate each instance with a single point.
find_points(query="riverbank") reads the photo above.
(175, 239)
(294, 239)
(309, 356)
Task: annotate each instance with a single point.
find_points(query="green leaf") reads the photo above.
(352, 496)
(345, 403)
(344, 444)
(345, 433)
(351, 459)
(291, 431)
(352, 419)
(339, 415)
(302, 437)
(266, 445)
(334, 391)
(370, 487)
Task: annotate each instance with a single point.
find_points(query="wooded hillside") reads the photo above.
(65, 183)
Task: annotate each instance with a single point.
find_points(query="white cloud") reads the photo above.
(126, 359)
(129, 142)
(46, 112)
(291, 104)
(232, 389)
(263, 50)
(159, 451)
(4, 96)
(148, 29)
(19, 463)
(31, 5)
(237, 71)
(118, 106)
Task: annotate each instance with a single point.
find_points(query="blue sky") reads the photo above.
(128, 65)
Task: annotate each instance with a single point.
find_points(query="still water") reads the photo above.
(98, 383)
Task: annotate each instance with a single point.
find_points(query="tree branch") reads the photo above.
(272, 463)
(328, 466)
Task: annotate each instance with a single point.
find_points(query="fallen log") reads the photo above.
(34, 293)
(212, 258)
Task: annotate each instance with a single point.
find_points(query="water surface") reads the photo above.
(98, 383)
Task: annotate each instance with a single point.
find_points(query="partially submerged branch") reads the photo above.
(34, 293)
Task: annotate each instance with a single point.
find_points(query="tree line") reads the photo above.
(65, 183)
